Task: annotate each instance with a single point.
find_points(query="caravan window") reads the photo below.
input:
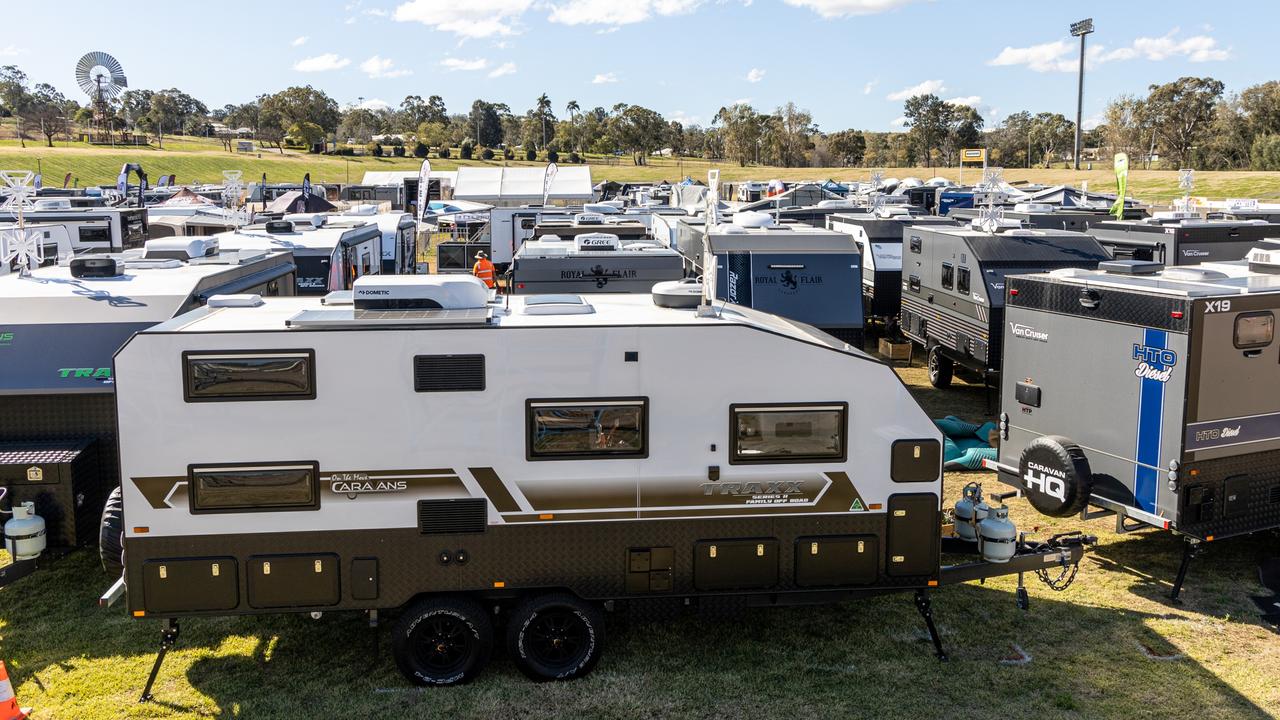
(239, 488)
(962, 281)
(528, 223)
(948, 275)
(249, 375)
(588, 429)
(1255, 329)
(787, 433)
(916, 244)
(913, 282)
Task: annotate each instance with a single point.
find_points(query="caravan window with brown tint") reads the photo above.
(1254, 329)
(587, 429)
(948, 275)
(249, 375)
(787, 433)
(250, 487)
(962, 281)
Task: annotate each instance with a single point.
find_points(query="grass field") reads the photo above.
(196, 160)
(1111, 646)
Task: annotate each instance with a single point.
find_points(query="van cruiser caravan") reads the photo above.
(1182, 360)
(1180, 240)
(545, 461)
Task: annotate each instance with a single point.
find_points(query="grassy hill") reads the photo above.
(197, 160)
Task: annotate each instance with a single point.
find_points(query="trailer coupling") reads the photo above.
(1061, 552)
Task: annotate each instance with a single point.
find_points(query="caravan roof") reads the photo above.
(519, 185)
(337, 230)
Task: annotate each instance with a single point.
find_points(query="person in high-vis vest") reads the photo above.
(484, 270)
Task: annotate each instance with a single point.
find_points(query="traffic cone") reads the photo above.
(9, 709)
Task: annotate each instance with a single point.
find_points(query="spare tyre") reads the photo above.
(1055, 476)
(111, 534)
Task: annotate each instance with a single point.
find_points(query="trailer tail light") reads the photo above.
(933, 583)
(1176, 314)
(499, 584)
(139, 613)
(1013, 291)
(1208, 538)
(141, 530)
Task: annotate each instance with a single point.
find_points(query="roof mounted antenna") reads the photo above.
(990, 218)
(1186, 181)
(992, 179)
(707, 308)
(19, 243)
(232, 189)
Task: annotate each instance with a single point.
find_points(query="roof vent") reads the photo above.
(683, 294)
(245, 300)
(363, 209)
(1193, 274)
(419, 292)
(1130, 267)
(279, 227)
(753, 219)
(557, 305)
(52, 204)
(597, 241)
(1265, 260)
(1033, 207)
(90, 266)
(892, 211)
(180, 247)
(601, 208)
(337, 297)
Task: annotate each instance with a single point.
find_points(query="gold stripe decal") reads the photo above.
(492, 486)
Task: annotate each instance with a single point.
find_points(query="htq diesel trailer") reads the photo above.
(1183, 363)
(546, 461)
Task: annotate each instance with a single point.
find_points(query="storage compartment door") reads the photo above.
(913, 535)
(836, 561)
(281, 581)
(189, 585)
(735, 564)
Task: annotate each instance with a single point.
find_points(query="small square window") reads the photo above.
(962, 281)
(1254, 330)
(948, 276)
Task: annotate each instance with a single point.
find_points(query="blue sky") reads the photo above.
(850, 62)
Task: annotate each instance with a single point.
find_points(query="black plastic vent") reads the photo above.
(1273, 496)
(448, 373)
(449, 517)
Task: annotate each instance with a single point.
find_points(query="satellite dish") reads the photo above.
(100, 76)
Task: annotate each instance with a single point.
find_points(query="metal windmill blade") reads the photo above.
(100, 75)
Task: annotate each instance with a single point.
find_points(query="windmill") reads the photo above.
(102, 78)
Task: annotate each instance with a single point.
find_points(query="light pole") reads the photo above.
(1080, 29)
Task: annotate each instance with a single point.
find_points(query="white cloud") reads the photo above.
(741, 101)
(321, 63)
(350, 21)
(614, 12)
(11, 51)
(928, 87)
(604, 78)
(1091, 122)
(899, 122)
(299, 41)
(755, 75)
(848, 8)
(1062, 55)
(606, 31)
(452, 64)
(380, 67)
(469, 19)
(375, 104)
(871, 85)
(506, 68)
(376, 12)
(686, 120)
(973, 101)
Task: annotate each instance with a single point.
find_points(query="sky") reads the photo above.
(851, 63)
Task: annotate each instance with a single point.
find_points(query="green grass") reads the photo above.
(200, 160)
(863, 659)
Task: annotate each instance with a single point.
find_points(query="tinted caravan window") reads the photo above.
(249, 375)
(1254, 330)
(239, 488)
(788, 433)
(948, 275)
(962, 281)
(584, 429)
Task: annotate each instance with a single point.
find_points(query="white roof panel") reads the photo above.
(521, 184)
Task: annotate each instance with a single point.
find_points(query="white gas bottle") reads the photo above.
(24, 534)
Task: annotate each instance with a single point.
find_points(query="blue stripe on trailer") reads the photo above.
(1150, 426)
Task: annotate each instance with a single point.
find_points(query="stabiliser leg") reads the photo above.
(168, 638)
(925, 606)
(1189, 550)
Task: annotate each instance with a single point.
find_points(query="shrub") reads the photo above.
(574, 157)
(508, 154)
(465, 150)
(377, 150)
(487, 154)
(553, 156)
(420, 150)
(398, 150)
(443, 153)
(530, 154)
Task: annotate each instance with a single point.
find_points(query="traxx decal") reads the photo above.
(777, 491)
(97, 373)
(1154, 363)
(6, 339)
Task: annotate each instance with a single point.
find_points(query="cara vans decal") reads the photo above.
(1154, 363)
(1026, 332)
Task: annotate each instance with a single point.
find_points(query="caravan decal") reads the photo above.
(1155, 363)
(1232, 431)
(1026, 332)
(1152, 353)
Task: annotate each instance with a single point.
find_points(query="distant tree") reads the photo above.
(639, 131)
(847, 147)
(14, 96)
(553, 156)
(1265, 152)
(789, 138)
(361, 124)
(465, 150)
(1260, 106)
(487, 154)
(543, 117)
(307, 134)
(47, 110)
(963, 130)
(485, 123)
(1050, 133)
(928, 118)
(1228, 142)
(742, 131)
(304, 104)
(1180, 113)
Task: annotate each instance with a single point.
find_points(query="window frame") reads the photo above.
(913, 283)
(948, 275)
(915, 244)
(962, 273)
(532, 404)
(1235, 329)
(193, 492)
(735, 408)
(188, 355)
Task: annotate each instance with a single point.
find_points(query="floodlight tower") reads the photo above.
(1080, 29)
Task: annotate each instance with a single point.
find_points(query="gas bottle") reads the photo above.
(998, 538)
(970, 509)
(24, 537)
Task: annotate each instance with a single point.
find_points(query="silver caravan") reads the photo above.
(399, 237)
(59, 328)
(1182, 361)
(1177, 240)
(953, 288)
(878, 235)
(92, 229)
(544, 461)
(330, 251)
(595, 262)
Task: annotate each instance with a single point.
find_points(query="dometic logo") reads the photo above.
(1151, 359)
(353, 484)
(1027, 332)
(1047, 480)
(373, 292)
(100, 373)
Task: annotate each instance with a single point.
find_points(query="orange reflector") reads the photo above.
(141, 530)
(499, 584)
(1208, 538)
(546, 516)
(875, 506)
(933, 583)
(139, 613)
(1194, 472)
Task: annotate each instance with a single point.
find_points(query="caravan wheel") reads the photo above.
(555, 637)
(940, 369)
(111, 534)
(442, 641)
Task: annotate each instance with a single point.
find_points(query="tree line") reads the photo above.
(1190, 122)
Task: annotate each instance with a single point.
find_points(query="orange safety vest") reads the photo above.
(484, 270)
